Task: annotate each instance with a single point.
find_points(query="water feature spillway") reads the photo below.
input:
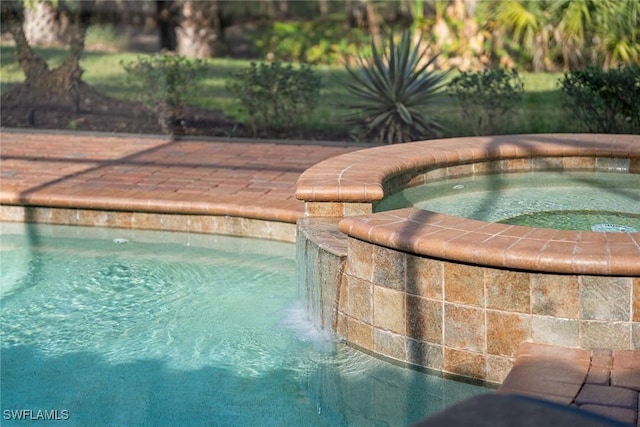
(320, 259)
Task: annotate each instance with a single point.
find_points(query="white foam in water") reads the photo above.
(613, 228)
(297, 319)
(350, 362)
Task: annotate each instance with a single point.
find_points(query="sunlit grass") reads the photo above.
(541, 111)
(106, 37)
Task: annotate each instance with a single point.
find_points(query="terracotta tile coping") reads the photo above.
(139, 202)
(361, 176)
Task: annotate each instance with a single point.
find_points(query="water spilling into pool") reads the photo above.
(179, 329)
(600, 201)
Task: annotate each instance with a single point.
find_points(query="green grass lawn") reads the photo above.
(541, 110)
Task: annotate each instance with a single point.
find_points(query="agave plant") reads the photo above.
(392, 92)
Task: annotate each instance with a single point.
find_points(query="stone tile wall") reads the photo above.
(469, 320)
(206, 224)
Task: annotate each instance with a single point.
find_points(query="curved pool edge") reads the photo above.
(187, 222)
(496, 245)
(459, 295)
(349, 185)
(362, 176)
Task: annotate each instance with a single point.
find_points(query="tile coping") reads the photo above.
(363, 176)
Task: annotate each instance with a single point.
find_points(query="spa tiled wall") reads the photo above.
(469, 320)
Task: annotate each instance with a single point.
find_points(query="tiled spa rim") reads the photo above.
(460, 295)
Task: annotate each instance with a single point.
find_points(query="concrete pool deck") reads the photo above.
(155, 183)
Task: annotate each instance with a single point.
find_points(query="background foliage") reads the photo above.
(488, 99)
(540, 39)
(275, 97)
(394, 94)
(604, 101)
(164, 83)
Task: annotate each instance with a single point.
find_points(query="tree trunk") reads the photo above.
(166, 19)
(372, 23)
(270, 9)
(356, 12)
(283, 8)
(200, 32)
(32, 65)
(64, 79)
(324, 8)
(41, 24)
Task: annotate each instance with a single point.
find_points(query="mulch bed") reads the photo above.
(22, 107)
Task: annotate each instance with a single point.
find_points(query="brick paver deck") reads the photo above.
(245, 179)
(605, 382)
(257, 180)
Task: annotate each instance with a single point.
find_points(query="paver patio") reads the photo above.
(247, 179)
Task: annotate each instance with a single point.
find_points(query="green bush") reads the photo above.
(488, 99)
(604, 101)
(276, 97)
(323, 42)
(163, 83)
(392, 94)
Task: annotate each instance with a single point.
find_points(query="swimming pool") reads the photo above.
(111, 327)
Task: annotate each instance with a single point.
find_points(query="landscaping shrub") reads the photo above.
(604, 101)
(393, 92)
(488, 99)
(276, 97)
(163, 83)
(323, 42)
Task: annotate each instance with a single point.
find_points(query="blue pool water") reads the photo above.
(113, 327)
(589, 201)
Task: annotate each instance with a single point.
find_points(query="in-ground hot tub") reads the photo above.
(459, 295)
(586, 201)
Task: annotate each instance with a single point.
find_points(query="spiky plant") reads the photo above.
(392, 92)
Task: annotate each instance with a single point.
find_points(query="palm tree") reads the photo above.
(617, 28)
(585, 32)
(529, 23)
(573, 27)
(600, 33)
